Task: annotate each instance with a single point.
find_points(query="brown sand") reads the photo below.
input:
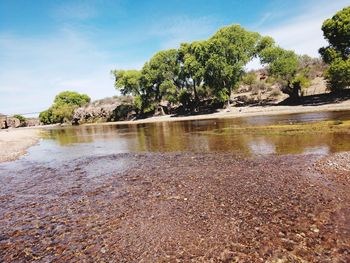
(15, 142)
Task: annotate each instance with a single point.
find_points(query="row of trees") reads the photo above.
(208, 71)
(211, 69)
(205, 70)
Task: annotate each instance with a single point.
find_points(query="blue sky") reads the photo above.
(47, 46)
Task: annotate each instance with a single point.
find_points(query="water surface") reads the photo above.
(199, 136)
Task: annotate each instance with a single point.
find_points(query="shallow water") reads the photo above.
(60, 145)
(198, 136)
(71, 196)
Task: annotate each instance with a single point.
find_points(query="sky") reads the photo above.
(48, 46)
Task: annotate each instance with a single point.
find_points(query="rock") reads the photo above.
(109, 109)
(9, 122)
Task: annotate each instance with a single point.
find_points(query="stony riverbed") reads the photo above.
(178, 207)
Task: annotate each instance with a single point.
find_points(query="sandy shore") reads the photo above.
(247, 111)
(15, 142)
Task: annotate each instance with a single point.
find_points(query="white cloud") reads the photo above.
(176, 30)
(34, 70)
(303, 33)
(78, 10)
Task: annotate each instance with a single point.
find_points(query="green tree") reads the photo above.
(128, 81)
(63, 107)
(160, 77)
(336, 31)
(229, 50)
(282, 64)
(71, 98)
(249, 78)
(192, 57)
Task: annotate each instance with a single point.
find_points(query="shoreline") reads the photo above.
(15, 142)
(238, 112)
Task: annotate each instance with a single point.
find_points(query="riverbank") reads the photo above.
(15, 142)
(246, 111)
(170, 207)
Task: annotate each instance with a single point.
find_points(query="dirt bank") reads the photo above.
(15, 142)
(176, 207)
(247, 111)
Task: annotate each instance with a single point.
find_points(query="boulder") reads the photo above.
(108, 109)
(13, 122)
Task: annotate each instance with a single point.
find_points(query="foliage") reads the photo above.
(249, 78)
(202, 72)
(192, 58)
(62, 109)
(71, 98)
(127, 81)
(336, 31)
(282, 65)
(21, 118)
(229, 50)
(311, 67)
(302, 81)
(338, 74)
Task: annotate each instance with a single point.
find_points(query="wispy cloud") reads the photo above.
(303, 33)
(78, 10)
(37, 69)
(176, 30)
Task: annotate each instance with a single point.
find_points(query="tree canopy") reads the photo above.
(201, 70)
(336, 31)
(63, 107)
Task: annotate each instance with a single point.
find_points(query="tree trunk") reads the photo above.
(229, 98)
(195, 96)
(293, 90)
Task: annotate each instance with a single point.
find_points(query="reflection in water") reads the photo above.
(203, 136)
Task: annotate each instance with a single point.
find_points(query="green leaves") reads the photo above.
(63, 107)
(337, 31)
(200, 70)
(127, 81)
(229, 50)
(338, 74)
(71, 98)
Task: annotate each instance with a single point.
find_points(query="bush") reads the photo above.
(302, 81)
(63, 107)
(338, 74)
(249, 79)
(259, 86)
(22, 120)
(275, 92)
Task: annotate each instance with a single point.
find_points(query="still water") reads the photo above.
(199, 136)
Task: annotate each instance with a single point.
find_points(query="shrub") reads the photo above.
(22, 120)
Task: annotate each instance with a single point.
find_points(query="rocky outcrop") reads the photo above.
(3, 123)
(32, 122)
(109, 109)
(12, 122)
(9, 122)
